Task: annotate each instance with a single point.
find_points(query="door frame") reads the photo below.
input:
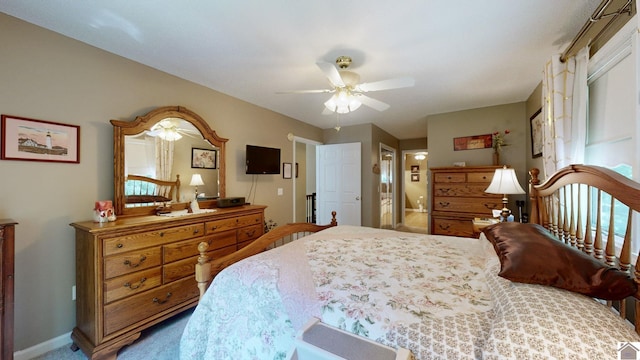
(394, 185)
(294, 140)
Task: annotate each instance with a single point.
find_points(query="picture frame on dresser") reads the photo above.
(39, 140)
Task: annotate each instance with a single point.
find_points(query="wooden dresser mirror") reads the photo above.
(183, 136)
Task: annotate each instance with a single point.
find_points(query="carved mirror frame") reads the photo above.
(146, 122)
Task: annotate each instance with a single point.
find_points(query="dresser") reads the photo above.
(138, 271)
(457, 197)
(7, 243)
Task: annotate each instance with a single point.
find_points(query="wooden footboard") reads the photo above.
(205, 269)
(592, 208)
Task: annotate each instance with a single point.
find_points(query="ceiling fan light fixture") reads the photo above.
(166, 131)
(342, 102)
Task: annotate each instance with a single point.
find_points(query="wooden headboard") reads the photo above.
(579, 204)
(144, 190)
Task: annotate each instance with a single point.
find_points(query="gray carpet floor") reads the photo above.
(160, 342)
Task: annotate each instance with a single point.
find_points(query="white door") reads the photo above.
(338, 181)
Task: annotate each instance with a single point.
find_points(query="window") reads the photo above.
(612, 122)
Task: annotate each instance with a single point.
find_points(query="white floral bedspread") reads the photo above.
(434, 295)
(375, 283)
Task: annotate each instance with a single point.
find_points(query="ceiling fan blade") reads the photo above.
(331, 73)
(306, 91)
(373, 103)
(326, 111)
(396, 83)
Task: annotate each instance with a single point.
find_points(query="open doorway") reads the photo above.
(414, 189)
(304, 179)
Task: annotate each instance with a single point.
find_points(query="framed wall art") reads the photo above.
(415, 169)
(415, 177)
(286, 170)
(203, 158)
(472, 142)
(39, 140)
(536, 134)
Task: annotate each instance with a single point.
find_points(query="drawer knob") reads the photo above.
(120, 246)
(161, 234)
(158, 301)
(214, 227)
(444, 227)
(444, 203)
(250, 232)
(133, 287)
(130, 264)
(491, 206)
(196, 231)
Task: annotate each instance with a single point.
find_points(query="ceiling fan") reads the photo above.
(172, 129)
(348, 92)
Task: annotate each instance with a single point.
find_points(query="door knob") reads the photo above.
(357, 197)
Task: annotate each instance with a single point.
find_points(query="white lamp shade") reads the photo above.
(504, 182)
(196, 180)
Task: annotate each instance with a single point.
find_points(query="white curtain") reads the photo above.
(564, 110)
(164, 158)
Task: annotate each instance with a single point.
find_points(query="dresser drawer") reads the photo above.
(228, 224)
(127, 285)
(466, 204)
(118, 265)
(452, 227)
(249, 233)
(186, 267)
(183, 249)
(143, 306)
(461, 190)
(483, 177)
(150, 238)
(449, 177)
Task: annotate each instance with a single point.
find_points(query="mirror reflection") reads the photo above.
(169, 155)
(171, 150)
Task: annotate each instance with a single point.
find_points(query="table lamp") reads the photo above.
(196, 180)
(504, 182)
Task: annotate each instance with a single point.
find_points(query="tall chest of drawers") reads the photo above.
(7, 262)
(457, 196)
(136, 272)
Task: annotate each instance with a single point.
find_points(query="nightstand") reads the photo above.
(479, 224)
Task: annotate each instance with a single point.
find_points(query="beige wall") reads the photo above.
(534, 103)
(477, 122)
(50, 77)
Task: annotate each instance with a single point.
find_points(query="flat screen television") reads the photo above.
(262, 160)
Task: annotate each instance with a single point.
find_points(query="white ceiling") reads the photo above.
(462, 54)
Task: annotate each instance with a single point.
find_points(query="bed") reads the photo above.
(556, 288)
(145, 191)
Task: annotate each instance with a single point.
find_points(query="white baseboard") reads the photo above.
(43, 348)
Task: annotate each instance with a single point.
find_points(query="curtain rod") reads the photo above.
(598, 15)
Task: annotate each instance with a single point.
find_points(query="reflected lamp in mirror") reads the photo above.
(504, 182)
(196, 180)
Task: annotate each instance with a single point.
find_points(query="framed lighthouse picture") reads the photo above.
(39, 140)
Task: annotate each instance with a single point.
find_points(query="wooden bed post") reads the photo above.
(533, 198)
(203, 268)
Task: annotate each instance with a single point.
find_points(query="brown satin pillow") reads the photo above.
(530, 254)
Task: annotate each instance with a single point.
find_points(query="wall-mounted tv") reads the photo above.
(262, 160)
